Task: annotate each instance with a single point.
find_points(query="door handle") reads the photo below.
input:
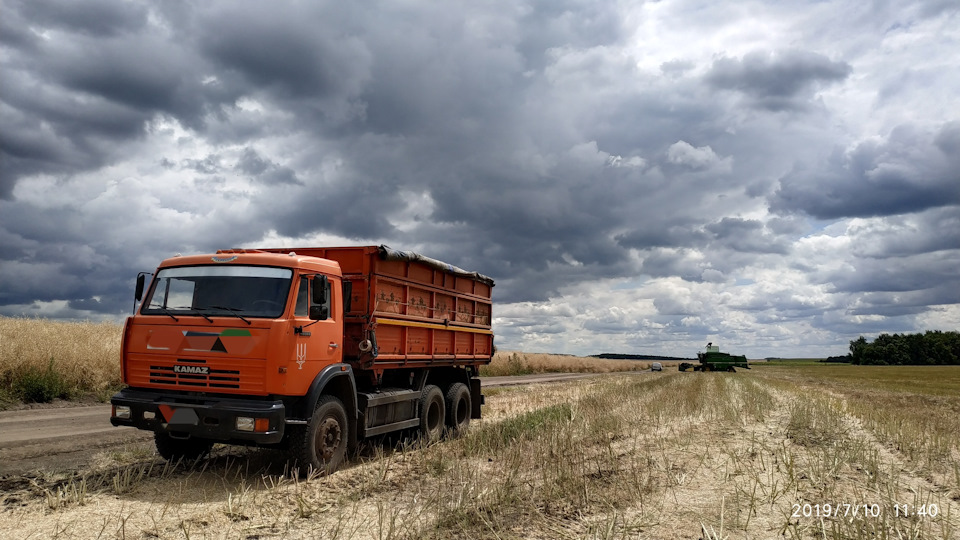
(334, 345)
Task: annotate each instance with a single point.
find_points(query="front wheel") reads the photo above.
(321, 445)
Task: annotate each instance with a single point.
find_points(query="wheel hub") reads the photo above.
(328, 438)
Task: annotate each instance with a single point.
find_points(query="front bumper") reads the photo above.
(184, 417)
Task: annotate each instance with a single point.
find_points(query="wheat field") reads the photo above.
(75, 359)
(519, 363)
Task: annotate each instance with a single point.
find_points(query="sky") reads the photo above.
(778, 178)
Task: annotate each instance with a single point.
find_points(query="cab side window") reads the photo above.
(303, 299)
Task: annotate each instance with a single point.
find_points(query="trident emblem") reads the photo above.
(301, 354)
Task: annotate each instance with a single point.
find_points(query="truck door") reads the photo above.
(318, 341)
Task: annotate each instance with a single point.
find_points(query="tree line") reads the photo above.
(931, 348)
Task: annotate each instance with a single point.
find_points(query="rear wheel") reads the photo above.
(172, 449)
(459, 408)
(321, 445)
(431, 414)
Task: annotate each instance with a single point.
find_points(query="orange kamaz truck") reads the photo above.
(307, 349)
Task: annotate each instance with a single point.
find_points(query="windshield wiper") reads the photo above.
(165, 311)
(193, 311)
(235, 311)
(200, 313)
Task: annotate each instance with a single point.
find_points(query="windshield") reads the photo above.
(243, 291)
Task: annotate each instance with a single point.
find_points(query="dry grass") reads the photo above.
(70, 358)
(518, 363)
(671, 455)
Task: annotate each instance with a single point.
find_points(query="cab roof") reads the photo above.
(255, 258)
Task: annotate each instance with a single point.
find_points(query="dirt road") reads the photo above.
(67, 439)
(59, 439)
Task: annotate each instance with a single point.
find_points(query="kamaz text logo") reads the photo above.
(196, 370)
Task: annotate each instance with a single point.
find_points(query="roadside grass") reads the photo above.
(517, 363)
(674, 455)
(43, 360)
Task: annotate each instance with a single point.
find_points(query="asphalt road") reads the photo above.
(67, 438)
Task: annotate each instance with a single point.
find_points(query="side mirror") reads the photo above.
(141, 280)
(319, 313)
(320, 298)
(320, 288)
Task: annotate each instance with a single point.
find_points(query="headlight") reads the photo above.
(245, 423)
(121, 411)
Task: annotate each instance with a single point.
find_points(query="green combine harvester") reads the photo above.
(714, 360)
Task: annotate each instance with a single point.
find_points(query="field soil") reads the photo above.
(774, 452)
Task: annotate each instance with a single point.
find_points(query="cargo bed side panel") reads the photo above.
(420, 314)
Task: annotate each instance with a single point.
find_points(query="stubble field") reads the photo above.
(774, 452)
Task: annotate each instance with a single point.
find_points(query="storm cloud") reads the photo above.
(638, 177)
(776, 82)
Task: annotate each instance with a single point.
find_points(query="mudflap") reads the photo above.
(476, 398)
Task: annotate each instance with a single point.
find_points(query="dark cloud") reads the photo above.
(272, 49)
(736, 234)
(668, 234)
(100, 18)
(936, 230)
(910, 171)
(746, 235)
(71, 99)
(580, 24)
(777, 81)
(901, 274)
(264, 170)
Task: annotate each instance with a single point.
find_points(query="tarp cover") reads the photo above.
(389, 254)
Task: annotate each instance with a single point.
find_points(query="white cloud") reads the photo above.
(697, 158)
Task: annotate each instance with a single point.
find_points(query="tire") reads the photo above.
(432, 413)
(459, 407)
(174, 450)
(321, 445)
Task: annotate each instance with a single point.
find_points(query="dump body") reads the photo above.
(410, 311)
(308, 348)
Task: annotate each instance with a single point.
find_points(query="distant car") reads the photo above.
(656, 366)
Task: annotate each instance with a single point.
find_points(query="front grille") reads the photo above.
(215, 378)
